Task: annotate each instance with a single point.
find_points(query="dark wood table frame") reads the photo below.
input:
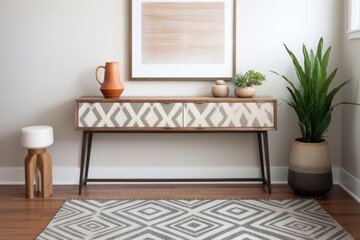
(262, 136)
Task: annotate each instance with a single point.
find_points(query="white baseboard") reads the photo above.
(70, 175)
(350, 184)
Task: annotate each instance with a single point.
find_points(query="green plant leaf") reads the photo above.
(312, 99)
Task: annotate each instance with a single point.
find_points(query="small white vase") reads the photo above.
(244, 92)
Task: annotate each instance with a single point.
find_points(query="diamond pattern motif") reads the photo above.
(229, 115)
(99, 115)
(192, 115)
(223, 219)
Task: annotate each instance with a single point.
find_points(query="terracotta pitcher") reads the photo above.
(111, 87)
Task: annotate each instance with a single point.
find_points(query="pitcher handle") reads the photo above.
(96, 74)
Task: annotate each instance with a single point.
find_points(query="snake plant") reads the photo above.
(312, 97)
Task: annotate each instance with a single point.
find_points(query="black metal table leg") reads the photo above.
(86, 152)
(267, 161)
(261, 156)
(83, 153)
(87, 163)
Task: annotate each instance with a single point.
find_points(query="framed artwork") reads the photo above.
(182, 39)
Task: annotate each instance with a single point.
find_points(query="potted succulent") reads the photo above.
(244, 83)
(311, 98)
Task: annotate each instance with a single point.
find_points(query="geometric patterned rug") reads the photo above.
(193, 219)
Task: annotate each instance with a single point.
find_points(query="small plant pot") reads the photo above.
(244, 92)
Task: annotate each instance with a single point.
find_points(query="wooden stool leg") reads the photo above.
(37, 181)
(49, 170)
(27, 172)
(45, 167)
(30, 169)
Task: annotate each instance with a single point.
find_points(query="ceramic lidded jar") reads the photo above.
(220, 89)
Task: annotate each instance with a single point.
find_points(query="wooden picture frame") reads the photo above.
(182, 39)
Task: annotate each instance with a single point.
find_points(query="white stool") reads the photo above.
(36, 139)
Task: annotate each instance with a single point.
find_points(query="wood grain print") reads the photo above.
(183, 33)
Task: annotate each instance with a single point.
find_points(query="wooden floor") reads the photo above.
(25, 219)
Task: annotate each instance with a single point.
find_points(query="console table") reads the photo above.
(175, 114)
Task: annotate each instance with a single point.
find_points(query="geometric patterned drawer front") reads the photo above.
(251, 115)
(126, 114)
(175, 114)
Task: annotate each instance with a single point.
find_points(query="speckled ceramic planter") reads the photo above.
(244, 92)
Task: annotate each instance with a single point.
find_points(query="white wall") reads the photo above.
(49, 51)
(350, 139)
